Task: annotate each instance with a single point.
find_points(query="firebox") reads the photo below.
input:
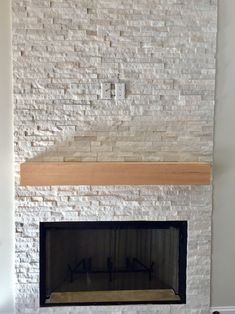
(118, 262)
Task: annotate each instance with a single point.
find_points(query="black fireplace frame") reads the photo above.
(183, 235)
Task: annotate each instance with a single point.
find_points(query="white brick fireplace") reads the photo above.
(164, 51)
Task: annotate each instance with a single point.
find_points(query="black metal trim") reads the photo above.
(183, 232)
(110, 303)
(113, 224)
(181, 225)
(42, 263)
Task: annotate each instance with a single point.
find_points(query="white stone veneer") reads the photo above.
(164, 50)
(114, 203)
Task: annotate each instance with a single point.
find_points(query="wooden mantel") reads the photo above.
(115, 173)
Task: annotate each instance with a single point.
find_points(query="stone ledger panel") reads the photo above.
(164, 52)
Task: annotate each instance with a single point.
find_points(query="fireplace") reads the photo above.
(118, 262)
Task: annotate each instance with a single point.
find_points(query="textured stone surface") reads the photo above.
(114, 203)
(164, 50)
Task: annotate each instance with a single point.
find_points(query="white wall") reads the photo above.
(6, 164)
(223, 267)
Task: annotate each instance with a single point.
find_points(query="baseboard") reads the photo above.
(223, 310)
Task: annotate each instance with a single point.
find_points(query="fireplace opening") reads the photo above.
(84, 263)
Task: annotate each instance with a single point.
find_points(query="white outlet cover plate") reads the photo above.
(106, 90)
(120, 90)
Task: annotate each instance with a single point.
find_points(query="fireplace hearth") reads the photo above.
(118, 262)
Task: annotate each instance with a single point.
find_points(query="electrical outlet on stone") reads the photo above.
(105, 90)
(120, 91)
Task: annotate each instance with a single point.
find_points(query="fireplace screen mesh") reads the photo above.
(112, 262)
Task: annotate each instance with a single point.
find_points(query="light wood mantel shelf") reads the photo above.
(115, 173)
